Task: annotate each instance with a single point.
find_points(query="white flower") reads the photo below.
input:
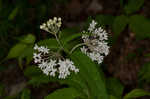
(37, 57)
(43, 65)
(92, 26)
(96, 46)
(84, 50)
(65, 67)
(42, 49)
(50, 66)
(52, 25)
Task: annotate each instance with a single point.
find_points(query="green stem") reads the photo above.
(61, 45)
(59, 42)
(78, 45)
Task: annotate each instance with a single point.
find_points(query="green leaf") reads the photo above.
(90, 74)
(26, 94)
(76, 81)
(32, 71)
(144, 73)
(16, 51)
(27, 54)
(119, 25)
(41, 79)
(140, 26)
(28, 39)
(104, 19)
(114, 87)
(133, 6)
(136, 93)
(50, 43)
(13, 13)
(65, 93)
(68, 35)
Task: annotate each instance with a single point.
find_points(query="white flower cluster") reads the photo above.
(52, 25)
(96, 46)
(50, 66)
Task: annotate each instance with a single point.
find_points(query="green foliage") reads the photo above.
(26, 94)
(144, 74)
(136, 93)
(23, 49)
(20, 48)
(114, 87)
(65, 93)
(91, 75)
(28, 39)
(68, 35)
(16, 51)
(27, 54)
(32, 71)
(113, 97)
(119, 25)
(50, 43)
(36, 76)
(104, 20)
(69, 38)
(133, 6)
(140, 26)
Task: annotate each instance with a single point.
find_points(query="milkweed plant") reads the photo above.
(52, 63)
(74, 58)
(61, 63)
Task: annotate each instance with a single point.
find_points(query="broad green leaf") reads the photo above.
(133, 6)
(50, 43)
(119, 25)
(104, 19)
(76, 81)
(140, 26)
(16, 50)
(27, 54)
(136, 93)
(29, 39)
(90, 74)
(65, 93)
(26, 94)
(114, 87)
(144, 73)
